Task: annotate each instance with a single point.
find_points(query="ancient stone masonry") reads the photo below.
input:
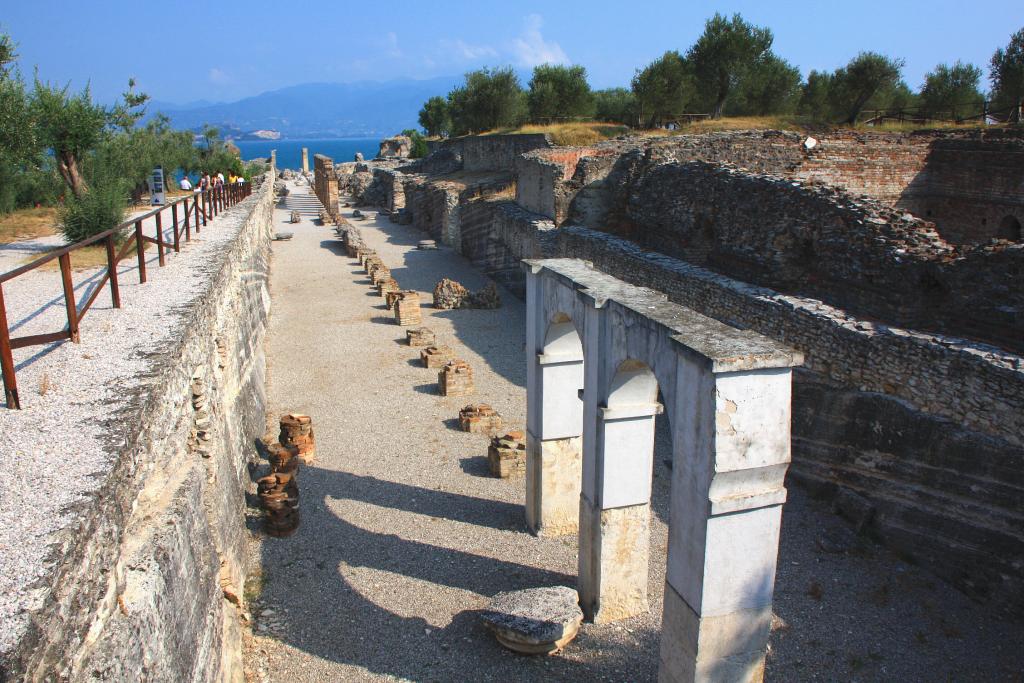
(479, 418)
(624, 349)
(449, 294)
(436, 356)
(455, 379)
(421, 336)
(877, 249)
(506, 456)
(391, 296)
(386, 286)
(407, 308)
(144, 581)
(325, 183)
(872, 415)
(396, 147)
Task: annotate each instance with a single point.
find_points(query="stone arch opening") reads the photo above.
(1010, 229)
(555, 428)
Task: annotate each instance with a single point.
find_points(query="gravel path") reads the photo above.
(61, 445)
(404, 535)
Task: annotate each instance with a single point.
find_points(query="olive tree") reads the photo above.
(558, 91)
(726, 51)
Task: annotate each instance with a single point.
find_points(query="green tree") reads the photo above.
(951, 90)
(1006, 72)
(664, 87)
(490, 98)
(71, 126)
(726, 51)
(558, 91)
(815, 100)
(418, 147)
(435, 117)
(131, 109)
(771, 86)
(867, 75)
(616, 105)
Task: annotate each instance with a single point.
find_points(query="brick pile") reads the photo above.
(297, 432)
(455, 379)
(390, 297)
(436, 356)
(279, 491)
(506, 455)
(407, 308)
(479, 418)
(385, 285)
(421, 336)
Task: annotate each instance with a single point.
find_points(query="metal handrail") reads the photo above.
(205, 206)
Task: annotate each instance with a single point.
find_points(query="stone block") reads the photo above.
(391, 296)
(479, 418)
(385, 285)
(535, 620)
(456, 379)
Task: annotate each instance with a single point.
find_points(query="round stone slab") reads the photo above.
(536, 620)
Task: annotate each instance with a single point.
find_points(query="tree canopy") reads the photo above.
(1007, 72)
(435, 117)
(664, 87)
(489, 98)
(558, 91)
(951, 90)
(726, 52)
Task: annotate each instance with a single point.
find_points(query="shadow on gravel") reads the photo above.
(316, 575)
(427, 389)
(476, 466)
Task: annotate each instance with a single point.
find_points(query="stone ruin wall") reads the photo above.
(968, 184)
(916, 437)
(150, 573)
(325, 183)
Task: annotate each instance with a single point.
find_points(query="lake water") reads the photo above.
(289, 152)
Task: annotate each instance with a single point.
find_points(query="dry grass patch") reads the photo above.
(28, 223)
(85, 258)
(568, 134)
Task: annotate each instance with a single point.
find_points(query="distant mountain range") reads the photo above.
(315, 110)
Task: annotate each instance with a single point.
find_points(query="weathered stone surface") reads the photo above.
(456, 379)
(535, 620)
(506, 456)
(449, 294)
(436, 356)
(479, 418)
(407, 308)
(421, 336)
(297, 432)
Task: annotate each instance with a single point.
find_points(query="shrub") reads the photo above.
(99, 209)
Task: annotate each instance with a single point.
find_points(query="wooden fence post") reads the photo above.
(174, 222)
(6, 359)
(69, 296)
(115, 290)
(140, 249)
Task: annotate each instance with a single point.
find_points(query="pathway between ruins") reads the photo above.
(404, 534)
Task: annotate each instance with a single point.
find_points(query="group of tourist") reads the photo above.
(210, 182)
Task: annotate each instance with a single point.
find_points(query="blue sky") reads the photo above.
(222, 50)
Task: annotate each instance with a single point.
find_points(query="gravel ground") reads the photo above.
(62, 443)
(404, 535)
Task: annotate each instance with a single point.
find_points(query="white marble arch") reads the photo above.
(727, 396)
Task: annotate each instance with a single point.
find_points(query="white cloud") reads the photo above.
(391, 45)
(530, 48)
(218, 76)
(464, 51)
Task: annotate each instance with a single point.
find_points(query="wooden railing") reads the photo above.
(195, 212)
